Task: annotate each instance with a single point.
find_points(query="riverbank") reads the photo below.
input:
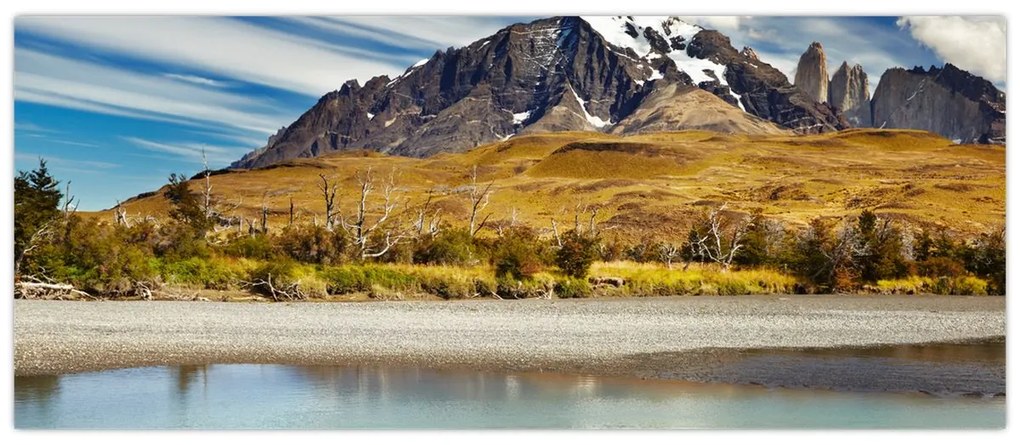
(689, 338)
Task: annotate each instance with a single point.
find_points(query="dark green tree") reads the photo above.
(36, 204)
(879, 250)
(187, 205)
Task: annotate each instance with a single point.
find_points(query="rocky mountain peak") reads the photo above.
(812, 76)
(749, 53)
(623, 75)
(947, 100)
(849, 94)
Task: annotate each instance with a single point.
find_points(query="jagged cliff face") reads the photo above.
(463, 97)
(562, 73)
(947, 101)
(849, 94)
(622, 75)
(812, 75)
(764, 91)
(710, 62)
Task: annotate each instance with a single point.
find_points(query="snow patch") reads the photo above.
(370, 116)
(420, 63)
(522, 116)
(614, 30)
(595, 121)
(389, 122)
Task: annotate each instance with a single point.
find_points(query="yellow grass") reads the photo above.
(908, 175)
(649, 279)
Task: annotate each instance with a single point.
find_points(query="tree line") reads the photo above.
(57, 250)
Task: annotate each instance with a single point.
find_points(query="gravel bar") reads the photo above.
(634, 336)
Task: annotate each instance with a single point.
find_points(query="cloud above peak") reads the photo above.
(974, 43)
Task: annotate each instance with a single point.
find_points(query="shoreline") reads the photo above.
(702, 339)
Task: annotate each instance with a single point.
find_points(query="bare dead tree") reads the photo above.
(592, 228)
(669, 252)
(556, 233)
(264, 211)
(277, 291)
(508, 224)
(207, 200)
(361, 228)
(120, 215)
(329, 187)
(41, 234)
(479, 200)
(427, 219)
(70, 206)
(290, 220)
(720, 237)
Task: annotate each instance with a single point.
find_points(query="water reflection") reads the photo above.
(275, 396)
(188, 375)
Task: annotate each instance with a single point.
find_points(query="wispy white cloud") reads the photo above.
(224, 46)
(189, 151)
(60, 141)
(973, 43)
(436, 32)
(198, 80)
(29, 127)
(85, 85)
(64, 163)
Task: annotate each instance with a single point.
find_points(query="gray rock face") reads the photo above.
(609, 74)
(848, 94)
(812, 76)
(548, 75)
(764, 90)
(947, 101)
(484, 92)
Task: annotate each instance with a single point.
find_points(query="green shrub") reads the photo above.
(935, 267)
(344, 280)
(208, 273)
(277, 279)
(970, 286)
(576, 254)
(179, 241)
(448, 287)
(570, 287)
(94, 256)
(517, 255)
(259, 247)
(312, 244)
(340, 280)
(449, 248)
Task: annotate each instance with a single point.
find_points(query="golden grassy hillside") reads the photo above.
(651, 184)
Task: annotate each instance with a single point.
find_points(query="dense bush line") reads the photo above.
(724, 253)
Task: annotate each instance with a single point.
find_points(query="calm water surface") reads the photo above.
(277, 396)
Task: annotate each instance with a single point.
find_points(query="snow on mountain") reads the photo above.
(652, 37)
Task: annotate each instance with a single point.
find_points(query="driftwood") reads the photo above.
(35, 289)
(289, 292)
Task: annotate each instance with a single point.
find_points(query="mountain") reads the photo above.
(605, 74)
(949, 101)
(623, 75)
(812, 75)
(849, 94)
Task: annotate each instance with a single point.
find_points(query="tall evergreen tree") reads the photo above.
(36, 203)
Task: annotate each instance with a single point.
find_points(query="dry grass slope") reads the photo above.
(651, 184)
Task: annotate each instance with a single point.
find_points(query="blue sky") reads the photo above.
(115, 104)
